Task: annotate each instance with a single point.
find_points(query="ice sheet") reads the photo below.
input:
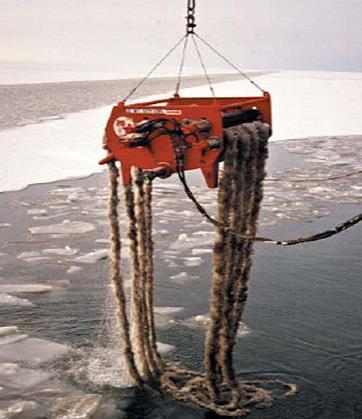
(71, 147)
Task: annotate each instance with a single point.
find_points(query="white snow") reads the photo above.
(304, 104)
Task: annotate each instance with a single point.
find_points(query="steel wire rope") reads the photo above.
(153, 69)
(237, 69)
(203, 66)
(182, 63)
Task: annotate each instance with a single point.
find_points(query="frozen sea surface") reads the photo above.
(302, 322)
(59, 126)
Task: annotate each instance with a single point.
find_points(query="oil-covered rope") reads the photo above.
(323, 179)
(240, 192)
(350, 222)
(116, 276)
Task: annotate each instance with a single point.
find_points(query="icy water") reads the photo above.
(24, 104)
(303, 321)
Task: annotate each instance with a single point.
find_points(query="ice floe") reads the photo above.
(66, 227)
(92, 257)
(33, 351)
(66, 251)
(167, 311)
(12, 376)
(21, 409)
(182, 276)
(165, 316)
(28, 254)
(11, 300)
(203, 320)
(76, 407)
(24, 288)
(197, 252)
(73, 270)
(193, 261)
(13, 338)
(10, 334)
(165, 348)
(60, 283)
(37, 211)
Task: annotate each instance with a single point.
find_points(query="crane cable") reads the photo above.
(190, 31)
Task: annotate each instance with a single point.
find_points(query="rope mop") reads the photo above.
(239, 197)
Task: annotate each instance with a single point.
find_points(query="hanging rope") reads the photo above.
(239, 198)
(306, 180)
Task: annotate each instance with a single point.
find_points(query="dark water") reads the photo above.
(23, 104)
(304, 309)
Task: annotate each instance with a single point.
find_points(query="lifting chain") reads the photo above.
(190, 17)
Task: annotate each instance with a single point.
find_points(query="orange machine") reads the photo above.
(163, 135)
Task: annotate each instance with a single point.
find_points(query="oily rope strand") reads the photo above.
(319, 236)
(303, 180)
(117, 278)
(278, 242)
(237, 69)
(216, 388)
(153, 69)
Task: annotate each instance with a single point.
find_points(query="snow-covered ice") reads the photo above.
(203, 320)
(33, 351)
(24, 288)
(71, 147)
(92, 257)
(77, 407)
(15, 377)
(74, 269)
(4, 225)
(65, 251)
(167, 311)
(11, 300)
(165, 348)
(193, 261)
(66, 227)
(37, 211)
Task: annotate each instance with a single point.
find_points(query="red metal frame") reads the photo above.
(198, 155)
